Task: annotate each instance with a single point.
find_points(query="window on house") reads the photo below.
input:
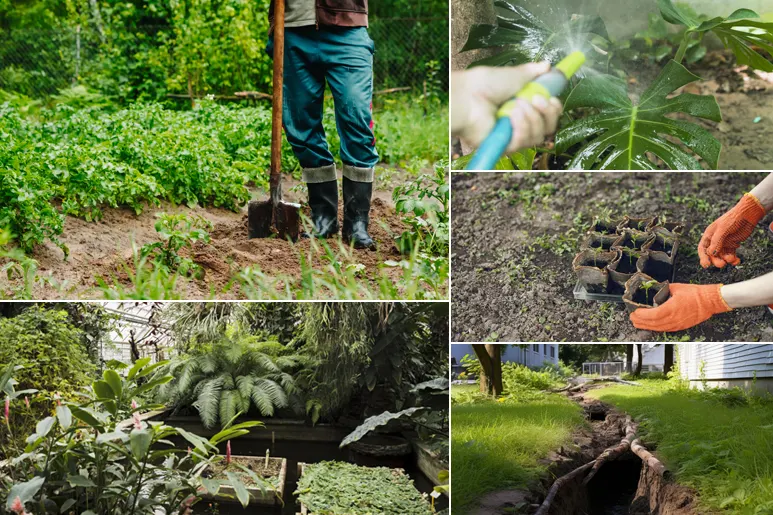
(552, 351)
(535, 347)
(545, 349)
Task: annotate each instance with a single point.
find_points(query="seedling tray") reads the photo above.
(580, 293)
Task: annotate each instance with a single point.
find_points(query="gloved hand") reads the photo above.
(689, 305)
(478, 92)
(723, 237)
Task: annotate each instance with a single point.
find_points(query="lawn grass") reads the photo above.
(719, 442)
(497, 444)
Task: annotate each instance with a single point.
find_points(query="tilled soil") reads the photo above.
(104, 249)
(515, 235)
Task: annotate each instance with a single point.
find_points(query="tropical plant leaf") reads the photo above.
(736, 32)
(622, 134)
(438, 384)
(24, 491)
(526, 38)
(375, 421)
(241, 491)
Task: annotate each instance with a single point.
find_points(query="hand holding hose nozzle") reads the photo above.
(534, 99)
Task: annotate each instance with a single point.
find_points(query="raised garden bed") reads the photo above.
(274, 475)
(338, 488)
(608, 260)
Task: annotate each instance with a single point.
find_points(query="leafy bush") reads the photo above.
(85, 460)
(229, 377)
(176, 231)
(516, 376)
(49, 348)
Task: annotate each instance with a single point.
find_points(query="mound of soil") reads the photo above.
(104, 249)
(512, 254)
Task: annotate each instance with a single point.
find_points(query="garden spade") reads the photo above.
(275, 216)
(548, 85)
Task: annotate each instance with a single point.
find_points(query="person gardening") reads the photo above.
(477, 94)
(328, 43)
(691, 304)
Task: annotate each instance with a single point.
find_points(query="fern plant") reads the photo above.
(231, 376)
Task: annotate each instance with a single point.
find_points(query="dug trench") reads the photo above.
(104, 249)
(607, 470)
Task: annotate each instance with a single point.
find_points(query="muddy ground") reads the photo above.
(745, 98)
(104, 248)
(514, 235)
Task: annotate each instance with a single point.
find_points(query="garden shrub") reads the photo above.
(49, 348)
(232, 376)
(515, 376)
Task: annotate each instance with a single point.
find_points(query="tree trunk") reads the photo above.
(629, 358)
(668, 358)
(490, 357)
(639, 359)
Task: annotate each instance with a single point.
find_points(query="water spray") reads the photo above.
(550, 84)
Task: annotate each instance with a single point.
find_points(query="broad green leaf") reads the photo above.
(152, 384)
(438, 384)
(234, 431)
(112, 378)
(737, 32)
(64, 415)
(66, 505)
(198, 442)
(44, 426)
(78, 480)
(211, 485)
(109, 437)
(103, 390)
(622, 134)
(24, 491)
(137, 366)
(526, 38)
(375, 421)
(241, 491)
(139, 441)
(150, 369)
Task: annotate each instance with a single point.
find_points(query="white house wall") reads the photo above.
(514, 353)
(724, 361)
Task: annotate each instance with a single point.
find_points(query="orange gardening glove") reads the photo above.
(723, 237)
(689, 305)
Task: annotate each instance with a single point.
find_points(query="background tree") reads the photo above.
(668, 357)
(639, 359)
(490, 357)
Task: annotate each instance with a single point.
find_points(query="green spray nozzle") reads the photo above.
(570, 64)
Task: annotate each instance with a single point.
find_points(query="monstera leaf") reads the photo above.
(736, 32)
(526, 38)
(621, 134)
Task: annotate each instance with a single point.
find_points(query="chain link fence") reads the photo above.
(411, 54)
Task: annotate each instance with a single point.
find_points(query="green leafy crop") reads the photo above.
(337, 488)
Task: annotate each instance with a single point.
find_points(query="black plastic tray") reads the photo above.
(580, 293)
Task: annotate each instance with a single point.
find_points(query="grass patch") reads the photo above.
(719, 442)
(497, 444)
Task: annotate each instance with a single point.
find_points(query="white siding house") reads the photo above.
(727, 365)
(531, 355)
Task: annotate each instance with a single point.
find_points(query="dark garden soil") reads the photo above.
(515, 235)
(104, 249)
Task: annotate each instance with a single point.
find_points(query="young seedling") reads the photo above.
(631, 253)
(646, 285)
